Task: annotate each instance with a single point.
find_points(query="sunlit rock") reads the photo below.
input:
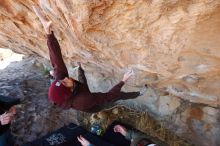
(172, 45)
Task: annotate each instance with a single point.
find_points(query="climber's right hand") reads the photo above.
(127, 75)
(79, 64)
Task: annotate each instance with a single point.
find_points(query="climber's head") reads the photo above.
(61, 90)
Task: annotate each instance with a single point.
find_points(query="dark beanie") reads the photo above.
(58, 93)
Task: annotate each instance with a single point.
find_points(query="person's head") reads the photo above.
(145, 142)
(7, 102)
(61, 90)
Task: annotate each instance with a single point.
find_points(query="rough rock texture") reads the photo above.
(171, 44)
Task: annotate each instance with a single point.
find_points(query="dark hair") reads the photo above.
(144, 142)
(7, 102)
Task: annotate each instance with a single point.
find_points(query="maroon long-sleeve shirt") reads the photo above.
(81, 99)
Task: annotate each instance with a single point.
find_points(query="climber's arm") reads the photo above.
(60, 70)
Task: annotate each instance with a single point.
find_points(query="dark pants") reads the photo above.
(122, 96)
(128, 95)
(3, 140)
(6, 139)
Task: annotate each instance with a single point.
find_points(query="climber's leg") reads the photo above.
(131, 95)
(128, 95)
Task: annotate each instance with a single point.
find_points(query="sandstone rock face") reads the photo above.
(172, 45)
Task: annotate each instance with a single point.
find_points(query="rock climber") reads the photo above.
(67, 92)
